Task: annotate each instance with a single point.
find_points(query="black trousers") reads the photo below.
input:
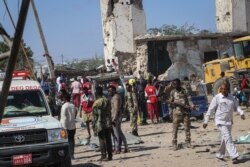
(71, 139)
(143, 110)
(105, 143)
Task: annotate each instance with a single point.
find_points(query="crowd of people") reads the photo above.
(145, 97)
(67, 99)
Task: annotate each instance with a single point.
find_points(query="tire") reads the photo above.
(65, 163)
(216, 86)
(233, 81)
(200, 117)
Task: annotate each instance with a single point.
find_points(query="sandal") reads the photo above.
(116, 152)
(125, 150)
(235, 161)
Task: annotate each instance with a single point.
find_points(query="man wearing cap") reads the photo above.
(102, 124)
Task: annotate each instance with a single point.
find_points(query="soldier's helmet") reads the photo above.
(131, 81)
(149, 76)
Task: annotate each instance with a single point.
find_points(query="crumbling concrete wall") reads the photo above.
(223, 44)
(187, 58)
(122, 21)
(127, 62)
(224, 21)
(187, 55)
(141, 57)
(232, 15)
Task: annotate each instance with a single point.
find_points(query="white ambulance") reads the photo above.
(29, 135)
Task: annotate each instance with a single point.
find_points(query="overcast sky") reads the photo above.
(73, 29)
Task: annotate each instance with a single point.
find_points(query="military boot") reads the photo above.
(135, 133)
(174, 145)
(189, 145)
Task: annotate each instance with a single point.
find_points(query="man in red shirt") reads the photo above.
(245, 85)
(152, 100)
(87, 84)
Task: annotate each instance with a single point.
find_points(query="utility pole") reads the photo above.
(13, 55)
(62, 59)
(47, 56)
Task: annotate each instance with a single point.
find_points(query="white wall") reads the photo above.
(232, 15)
(120, 28)
(223, 21)
(138, 19)
(248, 15)
(123, 29)
(239, 16)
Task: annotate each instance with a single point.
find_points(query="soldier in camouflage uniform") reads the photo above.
(180, 114)
(132, 106)
(186, 84)
(102, 124)
(166, 96)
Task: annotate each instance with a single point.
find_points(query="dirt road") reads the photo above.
(156, 151)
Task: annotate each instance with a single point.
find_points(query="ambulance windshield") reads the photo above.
(25, 103)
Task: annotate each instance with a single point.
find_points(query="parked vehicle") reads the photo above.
(29, 134)
(106, 79)
(233, 65)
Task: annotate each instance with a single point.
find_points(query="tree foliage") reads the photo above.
(89, 64)
(86, 64)
(185, 29)
(22, 61)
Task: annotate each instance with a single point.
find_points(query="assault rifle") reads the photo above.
(187, 108)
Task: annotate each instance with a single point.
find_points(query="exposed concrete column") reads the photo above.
(232, 15)
(122, 21)
(142, 57)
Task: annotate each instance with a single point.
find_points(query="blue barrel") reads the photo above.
(164, 109)
(201, 103)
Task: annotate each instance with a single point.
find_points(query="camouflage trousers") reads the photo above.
(178, 118)
(133, 119)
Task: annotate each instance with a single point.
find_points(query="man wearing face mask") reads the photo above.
(180, 114)
(224, 104)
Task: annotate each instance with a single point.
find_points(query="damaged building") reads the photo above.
(232, 15)
(180, 56)
(127, 47)
(122, 21)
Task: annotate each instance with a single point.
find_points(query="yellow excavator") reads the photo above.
(233, 65)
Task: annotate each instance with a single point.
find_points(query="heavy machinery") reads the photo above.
(233, 65)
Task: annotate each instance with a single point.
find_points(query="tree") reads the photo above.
(21, 60)
(89, 64)
(185, 29)
(3, 48)
(86, 64)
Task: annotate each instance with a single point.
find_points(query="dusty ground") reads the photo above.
(157, 151)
